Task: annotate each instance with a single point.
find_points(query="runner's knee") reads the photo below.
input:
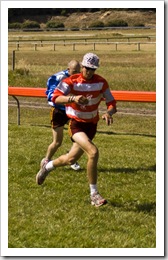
(71, 160)
(93, 153)
(57, 144)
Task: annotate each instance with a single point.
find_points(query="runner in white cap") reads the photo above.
(82, 94)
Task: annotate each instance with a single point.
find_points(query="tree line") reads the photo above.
(15, 12)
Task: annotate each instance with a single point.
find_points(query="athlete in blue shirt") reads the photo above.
(57, 113)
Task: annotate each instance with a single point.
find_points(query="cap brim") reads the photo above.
(89, 66)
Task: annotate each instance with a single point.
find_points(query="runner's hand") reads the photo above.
(81, 100)
(108, 118)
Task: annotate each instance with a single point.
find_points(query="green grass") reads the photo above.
(125, 69)
(58, 213)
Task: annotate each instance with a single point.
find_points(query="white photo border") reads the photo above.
(159, 250)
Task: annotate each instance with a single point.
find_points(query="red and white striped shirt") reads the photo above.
(94, 90)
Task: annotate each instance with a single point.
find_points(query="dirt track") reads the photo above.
(127, 111)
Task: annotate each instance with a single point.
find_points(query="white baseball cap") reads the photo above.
(90, 60)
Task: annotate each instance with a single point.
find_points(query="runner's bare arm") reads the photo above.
(80, 99)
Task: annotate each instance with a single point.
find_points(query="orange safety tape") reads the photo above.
(135, 96)
(27, 92)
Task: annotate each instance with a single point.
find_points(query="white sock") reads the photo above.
(93, 188)
(49, 166)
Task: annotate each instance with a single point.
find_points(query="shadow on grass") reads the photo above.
(128, 170)
(118, 133)
(112, 170)
(41, 125)
(98, 131)
(147, 207)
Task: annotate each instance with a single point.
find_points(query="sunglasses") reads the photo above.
(87, 68)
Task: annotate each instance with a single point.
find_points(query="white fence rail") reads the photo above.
(37, 46)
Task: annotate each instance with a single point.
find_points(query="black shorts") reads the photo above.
(58, 117)
(88, 128)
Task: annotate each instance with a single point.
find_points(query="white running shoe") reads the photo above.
(97, 200)
(42, 174)
(44, 161)
(75, 166)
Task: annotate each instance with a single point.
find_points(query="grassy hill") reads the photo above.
(85, 19)
(131, 17)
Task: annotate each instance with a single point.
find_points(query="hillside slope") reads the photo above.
(131, 17)
(83, 20)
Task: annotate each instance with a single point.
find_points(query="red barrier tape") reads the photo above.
(132, 96)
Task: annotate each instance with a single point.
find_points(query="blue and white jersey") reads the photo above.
(52, 84)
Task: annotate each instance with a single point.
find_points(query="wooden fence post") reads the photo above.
(17, 46)
(94, 46)
(138, 46)
(13, 60)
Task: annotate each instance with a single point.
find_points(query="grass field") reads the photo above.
(125, 69)
(58, 214)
